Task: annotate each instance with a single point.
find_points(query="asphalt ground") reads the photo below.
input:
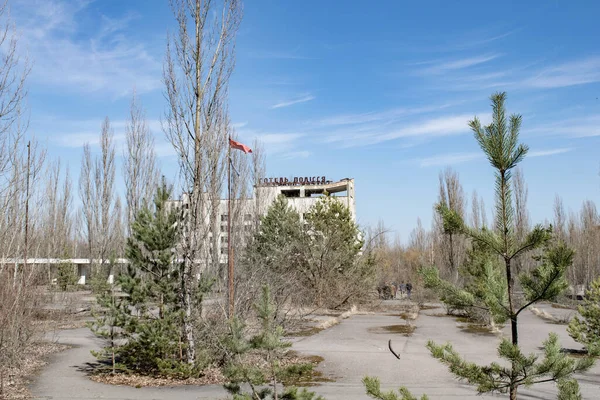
(356, 347)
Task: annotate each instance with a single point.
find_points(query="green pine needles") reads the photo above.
(258, 362)
(491, 277)
(144, 322)
(585, 327)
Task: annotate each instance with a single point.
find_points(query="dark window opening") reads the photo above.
(291, 193)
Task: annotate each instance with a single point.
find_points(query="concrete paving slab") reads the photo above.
(351, 350)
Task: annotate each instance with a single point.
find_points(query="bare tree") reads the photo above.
(21, 162)
(89, 205)
(104, 178)
(13, 73)
(560, 218)
(56, 222)
(521, 193)
(450, 247)
(140, 168)
(197, 67)
(96, 189)
(476, 218)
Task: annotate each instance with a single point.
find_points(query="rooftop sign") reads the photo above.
(296, 181)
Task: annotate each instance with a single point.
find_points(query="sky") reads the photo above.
(380, 92)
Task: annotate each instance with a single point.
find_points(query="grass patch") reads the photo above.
(404, 329)
(477, 329)
(439, 315)
(312, 377)
(428, 307)
(304, 332)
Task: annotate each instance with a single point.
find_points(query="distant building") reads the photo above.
(302, 193)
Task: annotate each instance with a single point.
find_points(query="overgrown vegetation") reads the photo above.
(317, 261)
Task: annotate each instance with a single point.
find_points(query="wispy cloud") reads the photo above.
(287, 103)
(571, 73)
(460, 158)
(549, 152)
(458, 64)
(238, 125)
(75, 133)
(387, 116)
(296, 154)
(482, 38)
(448, 159)
(274, 143)
(585, 126)
(425, 128)
(107, 61)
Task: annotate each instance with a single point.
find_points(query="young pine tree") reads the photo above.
(109, 320)
(268, 346)
(499, 141)
(278, 240)
(148, 313)
(585, 327)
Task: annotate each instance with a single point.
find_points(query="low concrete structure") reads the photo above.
(83, 265)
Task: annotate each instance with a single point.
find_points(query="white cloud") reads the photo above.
(298, 100)
(572, 73)
(587, 126)
(459, 158)
(296, 154)
(76, 140)
(68, 55)
(386, 116)
(448, 159)
(427, 128)
(549, 152)
(459, 64)
(273, 143)
(75, 133)
(238, 125)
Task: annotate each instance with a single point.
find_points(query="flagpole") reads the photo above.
(229, 238)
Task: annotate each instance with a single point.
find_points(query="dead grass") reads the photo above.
(210, 376)
(546, 316)
(403, 329)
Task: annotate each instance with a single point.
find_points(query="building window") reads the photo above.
(223, 228)
(224, 239)
(223, 217)
(223, 250)
(247, 217)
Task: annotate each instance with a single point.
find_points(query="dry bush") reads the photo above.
(18, 298)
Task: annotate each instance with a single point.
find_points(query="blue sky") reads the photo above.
(379, 92)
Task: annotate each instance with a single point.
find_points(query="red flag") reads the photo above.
(237, 145)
